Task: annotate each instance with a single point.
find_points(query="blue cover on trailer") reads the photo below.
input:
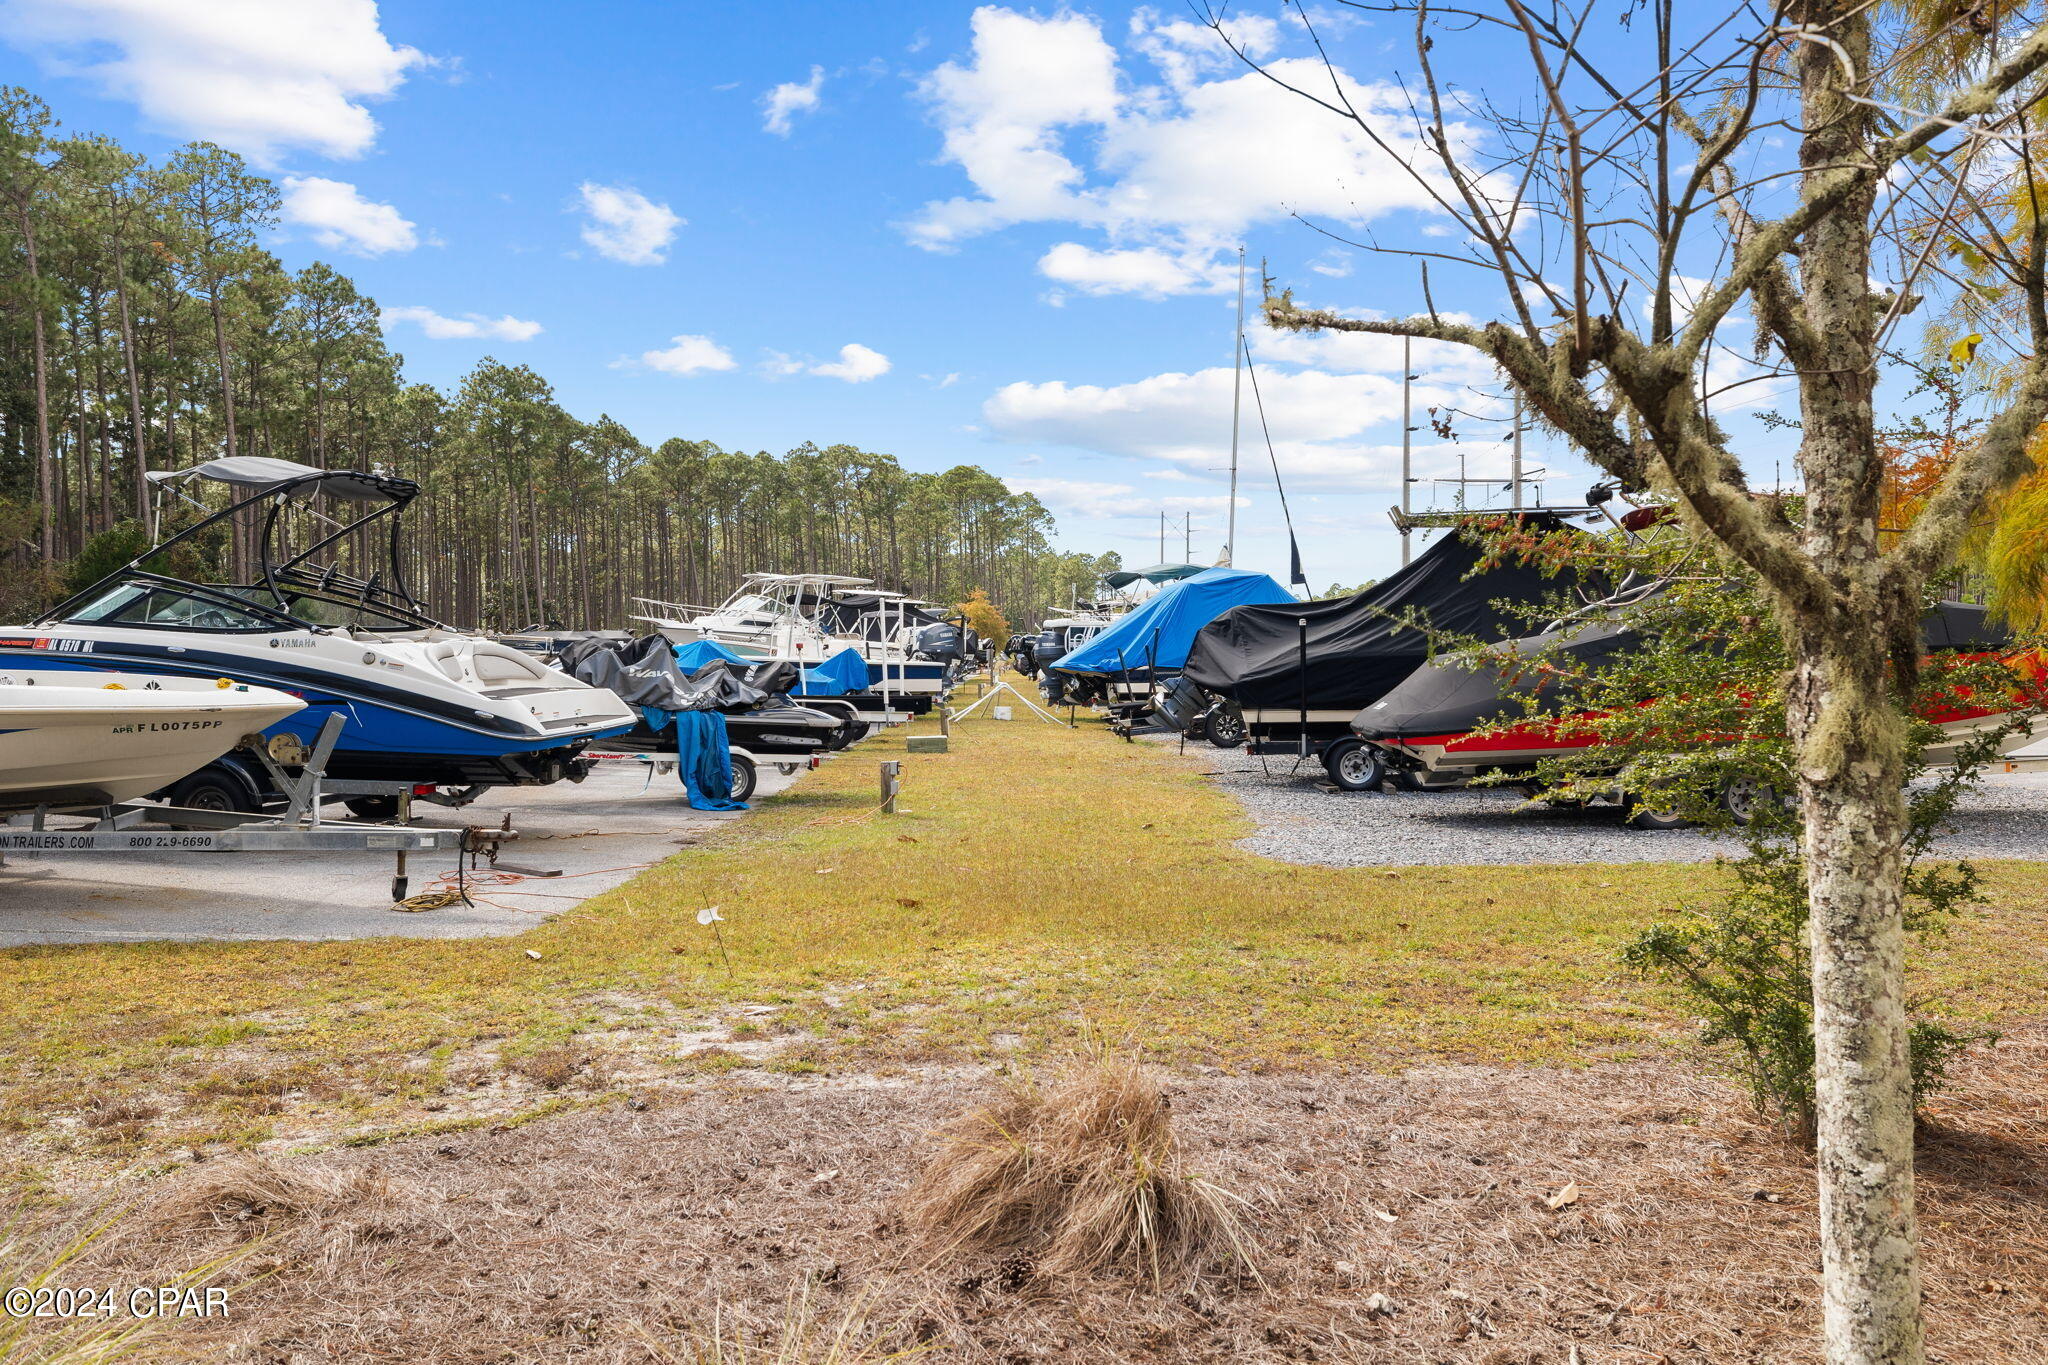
(697, 653)
(1160, 632)
(844, 672)
(704, 759)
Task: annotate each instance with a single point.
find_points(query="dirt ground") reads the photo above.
(1631, 1213)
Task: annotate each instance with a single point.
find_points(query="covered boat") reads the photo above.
(1122, 662)
(1296, 673)
(1429, 722)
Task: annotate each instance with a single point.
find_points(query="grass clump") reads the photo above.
(258, 1188)
(1082, 1176)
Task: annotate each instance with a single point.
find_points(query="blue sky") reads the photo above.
(996, 236)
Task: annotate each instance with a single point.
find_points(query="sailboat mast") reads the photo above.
(1236, 407)
(1407, 444)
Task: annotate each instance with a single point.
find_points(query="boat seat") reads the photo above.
(488, 666)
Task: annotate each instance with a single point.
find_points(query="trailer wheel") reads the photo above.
(216, 787)
(1638, 813)
(849, 732)
(744, 778)
(1224, 727)
(1354, 767)
(1745, 799)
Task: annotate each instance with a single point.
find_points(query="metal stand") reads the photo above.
(1002, 686)
(299, 829)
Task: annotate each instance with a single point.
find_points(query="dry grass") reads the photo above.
(697, 1223)
(257, 1189)
(1079, 1176)
(810, 1333)
(1043, 882)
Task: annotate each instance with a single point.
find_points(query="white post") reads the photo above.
(1516, 469)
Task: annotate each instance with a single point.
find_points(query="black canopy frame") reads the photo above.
(285, 579)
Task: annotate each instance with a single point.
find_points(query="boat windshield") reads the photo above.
(753, 602)
(171, 607)
(322, 611)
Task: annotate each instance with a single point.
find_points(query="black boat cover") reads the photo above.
(1451, 696)
(1356, 650)
(645, 674)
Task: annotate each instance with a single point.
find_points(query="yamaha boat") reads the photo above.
(422, 703)
(75, 740)
(1289, 676)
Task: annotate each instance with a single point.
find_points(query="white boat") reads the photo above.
(78, 740)
(422, 702)
(808, 618)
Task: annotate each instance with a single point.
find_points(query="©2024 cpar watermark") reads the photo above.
(140, 1301)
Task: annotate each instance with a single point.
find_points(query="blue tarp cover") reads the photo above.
(1160, 632)
(704, 758)
(844, 672)
(697, 653)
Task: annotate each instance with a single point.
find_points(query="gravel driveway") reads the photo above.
(1304, 819)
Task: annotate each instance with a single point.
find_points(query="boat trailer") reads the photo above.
(299, 828)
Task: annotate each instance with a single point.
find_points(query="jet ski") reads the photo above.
(79, 740)
(1429, 723)
(423, 703)
(760, 717)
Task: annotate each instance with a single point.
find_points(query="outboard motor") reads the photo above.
(942, 641)
(1180, 704)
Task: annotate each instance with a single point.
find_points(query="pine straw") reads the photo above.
(1079, 1177)
(582, 1239)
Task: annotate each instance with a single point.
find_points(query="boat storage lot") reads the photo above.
(606, 828)
(1304, 819)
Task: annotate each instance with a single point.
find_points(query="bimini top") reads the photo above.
(1357, 647)
(260, 472)
(1158, 633)
(1155, 573)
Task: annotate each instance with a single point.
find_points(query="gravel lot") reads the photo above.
(1303, 819)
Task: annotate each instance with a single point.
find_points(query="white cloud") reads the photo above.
(259, 76)
(1184, 52)
(856, 364)
(689, 355)
(1189, 164)
(1319, 421)
(626, 226)
(469, 325)
(1150, 271)
(338, 216)
(1030, 77)
(789, 99)
(1435, 362)
(1080, 498)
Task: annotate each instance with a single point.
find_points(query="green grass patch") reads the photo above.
(1043, 883)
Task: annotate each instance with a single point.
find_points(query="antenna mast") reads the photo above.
(1407, 443)
(1236, 404)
